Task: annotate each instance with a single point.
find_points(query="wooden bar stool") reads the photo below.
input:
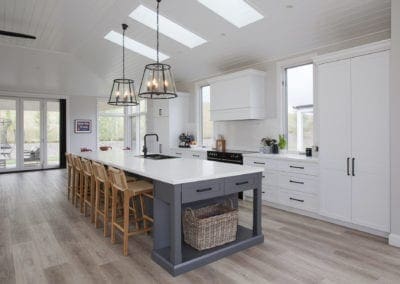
(127, 192)
(88, 188)
(70, 171)
(102, 195)
(78, 182)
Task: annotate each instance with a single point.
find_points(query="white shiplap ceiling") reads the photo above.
(78, 27)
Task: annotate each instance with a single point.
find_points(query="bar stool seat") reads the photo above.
(125, 193)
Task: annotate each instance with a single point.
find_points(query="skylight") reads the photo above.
(135, 46)
(167, 27)
(237, 12)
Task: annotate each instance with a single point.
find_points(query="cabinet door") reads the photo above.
(334, 110)
(160, 108)
(370, 140)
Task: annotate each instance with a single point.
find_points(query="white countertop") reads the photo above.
(172, 171)
(283, 156)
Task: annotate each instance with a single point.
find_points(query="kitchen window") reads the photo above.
(119, 126)
(299, 90)
(207, 126)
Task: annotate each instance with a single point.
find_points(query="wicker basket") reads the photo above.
(210, 226)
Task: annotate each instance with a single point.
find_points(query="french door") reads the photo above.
(29, 134)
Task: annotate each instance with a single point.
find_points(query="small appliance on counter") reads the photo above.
(185, 140)
(220, 144)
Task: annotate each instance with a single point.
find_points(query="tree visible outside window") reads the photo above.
(300, 107)
(207, 124)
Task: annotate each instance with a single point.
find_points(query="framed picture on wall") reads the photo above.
(83, 126)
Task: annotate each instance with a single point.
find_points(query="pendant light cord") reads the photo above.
(123, 53)
(158, 37)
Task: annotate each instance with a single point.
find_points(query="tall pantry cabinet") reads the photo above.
(353, 110)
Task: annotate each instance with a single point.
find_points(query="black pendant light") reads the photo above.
(157, 81)
(123, 90)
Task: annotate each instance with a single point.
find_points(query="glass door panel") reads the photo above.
(32, 122)
(53, 133)
(8, 126)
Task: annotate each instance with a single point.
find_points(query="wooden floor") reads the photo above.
(44, 239)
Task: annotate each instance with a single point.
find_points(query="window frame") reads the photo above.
(126, 115)
(199, 110)
(281, 68)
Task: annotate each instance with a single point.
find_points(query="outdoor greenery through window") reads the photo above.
(118, 126)
(300, 107)
(206, 123)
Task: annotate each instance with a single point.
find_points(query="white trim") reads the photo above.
(354, 52)
(14, 94)
(394, 240)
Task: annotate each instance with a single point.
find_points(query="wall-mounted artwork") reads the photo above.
(83, 126)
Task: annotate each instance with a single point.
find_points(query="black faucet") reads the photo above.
(144, 146)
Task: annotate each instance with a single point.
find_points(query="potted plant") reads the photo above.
(282, 142)
(266, 145)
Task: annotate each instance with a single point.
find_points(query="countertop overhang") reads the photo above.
(172, 171)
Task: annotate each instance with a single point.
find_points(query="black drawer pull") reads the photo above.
(259, 163)
(295, 199)
(178, 153)
(242, 183)
(263, 192)
(263, 176)
(198, 156)
(204, 189)
(297, 182)
(296, 167)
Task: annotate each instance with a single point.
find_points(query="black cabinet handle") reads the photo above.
(178, 153)
(263, 192)
(352, 167)
(198, 156)
(296, 167)
(348, 166)
(298, 182)
(204, 189)
(295, 199)
(160, 112)
(259, 163)
(242, 183)
(263, 176)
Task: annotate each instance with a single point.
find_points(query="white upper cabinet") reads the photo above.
(238, 96)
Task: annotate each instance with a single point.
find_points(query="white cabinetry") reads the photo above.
(292, 183)
(353, 109)
(169, 119)
(200, 154)
(238, 96)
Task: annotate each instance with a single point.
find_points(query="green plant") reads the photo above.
(282, 142)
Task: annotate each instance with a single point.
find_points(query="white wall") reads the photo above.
(394, 238)
(246, 134)
(82, 107)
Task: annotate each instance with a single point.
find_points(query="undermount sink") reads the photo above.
(157, 157)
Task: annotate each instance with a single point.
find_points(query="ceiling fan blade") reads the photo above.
(12, 34)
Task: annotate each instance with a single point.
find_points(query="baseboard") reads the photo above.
(394, 240)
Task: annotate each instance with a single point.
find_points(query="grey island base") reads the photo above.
(169, 250)
(179, 183)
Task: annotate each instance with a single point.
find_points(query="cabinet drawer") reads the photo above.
(202, 190)
(260, 162)
(298, 200)
(239, 183)
(299, 182)
(299, 167)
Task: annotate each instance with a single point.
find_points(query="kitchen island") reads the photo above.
(180, 183)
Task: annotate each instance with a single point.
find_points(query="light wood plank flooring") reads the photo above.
(44, 239)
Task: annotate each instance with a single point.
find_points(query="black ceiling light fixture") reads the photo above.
(157, 81)
(123, 90)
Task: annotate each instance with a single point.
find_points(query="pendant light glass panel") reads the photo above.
(157, 82)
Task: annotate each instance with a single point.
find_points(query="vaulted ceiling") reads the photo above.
(77, 28)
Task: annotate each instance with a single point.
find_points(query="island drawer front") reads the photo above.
(202, 190)
(239, 183)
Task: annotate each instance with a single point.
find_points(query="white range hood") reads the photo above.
(238, 96)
